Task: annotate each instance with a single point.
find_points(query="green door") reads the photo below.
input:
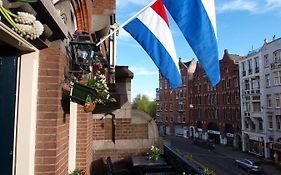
(8, 79)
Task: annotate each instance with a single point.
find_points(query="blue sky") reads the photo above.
(241, 26)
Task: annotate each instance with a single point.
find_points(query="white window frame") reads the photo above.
(267, 80)
(270, 122)
(269, 101)
(277, 101)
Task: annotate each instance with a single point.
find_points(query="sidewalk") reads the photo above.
(237, 154)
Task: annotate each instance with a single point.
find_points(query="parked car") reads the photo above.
(204, 144)
(249, 165)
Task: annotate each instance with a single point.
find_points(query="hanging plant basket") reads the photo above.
(80, 92)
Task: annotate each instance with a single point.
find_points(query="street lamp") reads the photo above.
(82, 50)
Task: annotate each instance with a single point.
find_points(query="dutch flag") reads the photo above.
(196, 19)
(151, 30)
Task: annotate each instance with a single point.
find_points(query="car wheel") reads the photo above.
(236, 164)
(249, 170)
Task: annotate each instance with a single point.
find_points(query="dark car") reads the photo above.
(204, 143)
(249, 165)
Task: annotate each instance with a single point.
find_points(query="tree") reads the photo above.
(142, 103)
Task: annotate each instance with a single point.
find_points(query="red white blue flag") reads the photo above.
(151, 30)
(197, 21)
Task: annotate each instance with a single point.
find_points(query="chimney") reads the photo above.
(265, 41)
(225, 51)
(273, 38)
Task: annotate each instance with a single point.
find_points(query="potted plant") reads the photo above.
(78, 172)
(98, 82)
(154, 153)
(95, 92)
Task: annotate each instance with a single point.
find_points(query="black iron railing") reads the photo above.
(180, 164)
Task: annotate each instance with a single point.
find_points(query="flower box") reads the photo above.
(80, 92)
(108, 106)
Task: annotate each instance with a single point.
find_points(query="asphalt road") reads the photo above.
(219, 163)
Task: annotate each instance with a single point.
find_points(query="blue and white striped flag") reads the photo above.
(196, 19)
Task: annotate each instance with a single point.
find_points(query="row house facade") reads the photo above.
(42, 131)
(215, 112)
(210, 112)
(172, 114)
(260, 80)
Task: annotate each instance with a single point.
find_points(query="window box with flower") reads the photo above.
(95, 92)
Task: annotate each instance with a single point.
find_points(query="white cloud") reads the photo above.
(150, 95)
(235, 5)
(273, 5)
(252, 6)
(142, 71)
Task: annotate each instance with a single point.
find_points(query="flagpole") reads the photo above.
(125, 23)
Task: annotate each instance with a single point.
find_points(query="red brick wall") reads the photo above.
(199, 88)
(101, 5)
(118, 154)
(124, 129)
(170, 117)
(51, 155)
(84, 139)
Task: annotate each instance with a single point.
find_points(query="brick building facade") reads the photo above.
(172, 114)
(216, 113)
(41, 136)
(208, 112)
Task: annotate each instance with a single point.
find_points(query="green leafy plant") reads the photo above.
(208, 171)
(188, 156)
(78, 172)
(155, 153)
(98, 82)
(178, 150)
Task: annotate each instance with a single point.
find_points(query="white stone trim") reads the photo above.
(27, 113)
(72, 137)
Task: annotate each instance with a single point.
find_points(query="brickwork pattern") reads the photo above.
(84, 139)
(118, 154)
(123, 129)
(100, 6)
(51, 153)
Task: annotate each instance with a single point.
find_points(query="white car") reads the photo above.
(249, 165)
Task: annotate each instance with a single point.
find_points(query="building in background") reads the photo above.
(260, 87)
(197, 109)
(215, 112)
(172, 114)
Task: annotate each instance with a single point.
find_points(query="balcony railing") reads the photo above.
(257, 70)
(180, 164)
(250, 71)
(275, 65)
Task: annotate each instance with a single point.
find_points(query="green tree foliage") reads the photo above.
(142, 103)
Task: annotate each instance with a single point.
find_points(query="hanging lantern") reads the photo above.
(82, 50)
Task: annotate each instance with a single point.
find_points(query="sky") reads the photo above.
(242, 25)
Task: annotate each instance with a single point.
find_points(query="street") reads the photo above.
(220, 160)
